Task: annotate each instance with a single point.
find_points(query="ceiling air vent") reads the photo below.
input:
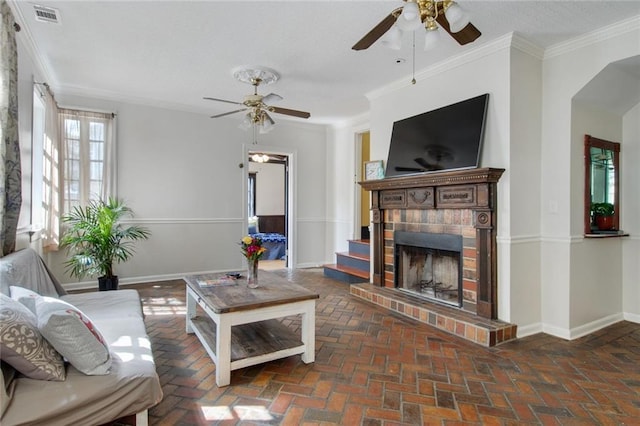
(46, 14)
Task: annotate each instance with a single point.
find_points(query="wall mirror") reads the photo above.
(601, 188)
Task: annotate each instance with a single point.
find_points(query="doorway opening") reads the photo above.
(268, 205)
(362, 196)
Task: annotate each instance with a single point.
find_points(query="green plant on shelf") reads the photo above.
(602, 209)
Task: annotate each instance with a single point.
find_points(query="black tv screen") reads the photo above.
(443, 139)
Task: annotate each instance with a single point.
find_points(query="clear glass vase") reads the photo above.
(252, 273)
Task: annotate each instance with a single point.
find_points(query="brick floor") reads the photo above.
(374, 367)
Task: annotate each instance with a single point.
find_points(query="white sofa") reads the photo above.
(129, 389)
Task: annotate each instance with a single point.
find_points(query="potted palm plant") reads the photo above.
(95, 240)
(603, 214)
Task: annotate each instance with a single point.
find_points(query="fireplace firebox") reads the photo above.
(428, 265)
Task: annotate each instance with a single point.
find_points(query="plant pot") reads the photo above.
(108, 283)
(604, 222)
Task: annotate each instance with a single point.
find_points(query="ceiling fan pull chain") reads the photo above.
(413, 80)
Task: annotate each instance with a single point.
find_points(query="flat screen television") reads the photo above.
(443, 139)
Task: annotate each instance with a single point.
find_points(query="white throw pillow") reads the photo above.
(25, 296)
(73, 335)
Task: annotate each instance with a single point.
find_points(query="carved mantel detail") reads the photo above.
(472, 193)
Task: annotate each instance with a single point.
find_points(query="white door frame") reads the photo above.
(291, 198)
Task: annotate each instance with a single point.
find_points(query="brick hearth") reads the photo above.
(483, 331)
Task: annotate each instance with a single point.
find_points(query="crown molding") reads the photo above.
(360, 121)
(525, 46)
(113, 96)
(481, 51)
(601, 34)
(30, 46)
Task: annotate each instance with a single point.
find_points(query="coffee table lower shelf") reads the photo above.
(252, 343)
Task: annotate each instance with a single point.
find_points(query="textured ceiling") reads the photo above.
(172, 53)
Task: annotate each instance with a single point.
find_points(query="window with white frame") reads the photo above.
(87, 146)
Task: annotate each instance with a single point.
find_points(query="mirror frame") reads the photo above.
(591, 142)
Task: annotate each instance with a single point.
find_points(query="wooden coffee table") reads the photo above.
(239, 326)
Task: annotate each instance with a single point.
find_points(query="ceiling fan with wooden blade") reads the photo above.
(424, 13)
(292, 112)
(378, 31)
(258, 105)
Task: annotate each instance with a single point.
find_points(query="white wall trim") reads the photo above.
(126, 282)
(567, 240)
(339, 221)
(529, 330)
(360, 121)
(596, 325)
(182, 221)
(631, 317)
(310, 265)
(524, 45)
(470, 56)
(562, 333)
(518, 239)
(582, 330)
(312, 220)
(596, 36)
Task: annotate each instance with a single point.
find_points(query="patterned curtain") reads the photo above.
(10, 172)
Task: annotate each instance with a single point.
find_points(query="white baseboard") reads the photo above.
(529, 330)
(85, 285)
(562, 333)
(632, 317)
(596, 325)
(583, 330)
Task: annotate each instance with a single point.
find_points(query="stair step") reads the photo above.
(359, 246)
(353, 255)
(346, 273)
(353, 260)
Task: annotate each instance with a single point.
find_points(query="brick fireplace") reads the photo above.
(458, 207)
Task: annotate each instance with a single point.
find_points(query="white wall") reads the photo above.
(180, 173)
(519, 256)
(567, 260)
(270, 183)
(630, 214)
(486, 70)
(595, 292)
(342, 184)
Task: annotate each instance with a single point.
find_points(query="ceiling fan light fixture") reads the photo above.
(456, 16)
(260, 158)
(431, 38)
(410, 11)
(409, 19)
(393, 38)
(266, 126)
(247, 121)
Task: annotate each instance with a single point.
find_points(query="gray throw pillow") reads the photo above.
(23, 347)
(74, 335)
